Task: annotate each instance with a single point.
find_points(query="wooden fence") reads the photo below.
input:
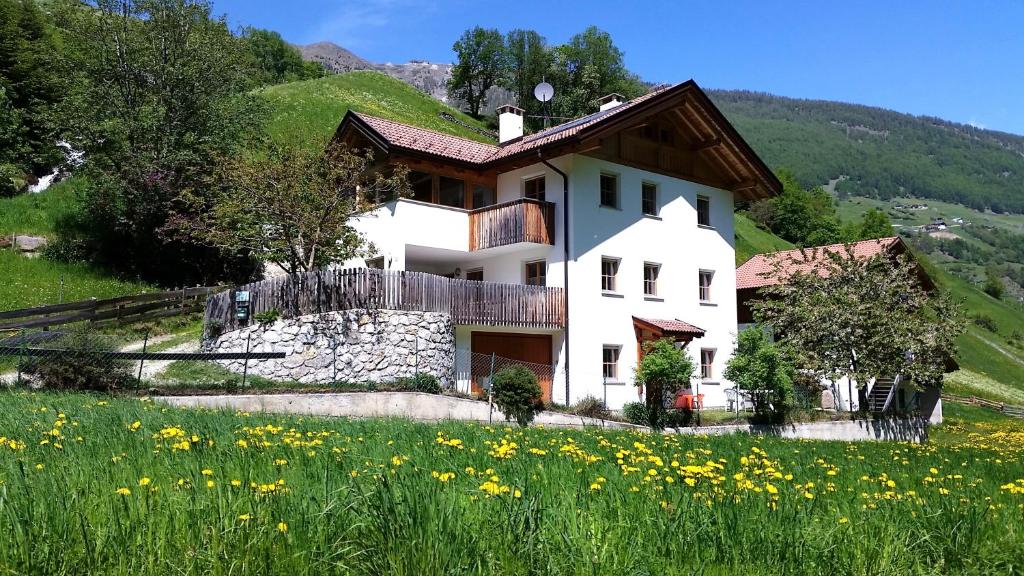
(122, 310)
(1008, 409)
(468, 301)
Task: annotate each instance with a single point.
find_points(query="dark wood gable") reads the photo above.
(682, 141)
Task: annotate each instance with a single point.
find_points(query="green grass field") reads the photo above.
(36, 214)
(308, 112)
(37, 281)
(99, 485)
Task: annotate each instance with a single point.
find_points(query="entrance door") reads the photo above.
(532, 348)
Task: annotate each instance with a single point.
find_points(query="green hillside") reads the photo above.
(308, 112)
(884, 154)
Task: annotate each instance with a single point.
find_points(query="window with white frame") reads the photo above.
(610, 362)
(703, 211)
(609, 274)
(704, 283)
(651, 272)
(649, 199)
(609, 190)
(707, 360)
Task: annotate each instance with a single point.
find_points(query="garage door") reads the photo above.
(534, 349)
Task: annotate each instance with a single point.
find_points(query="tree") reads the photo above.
(994, 285)
(861, 318)
(160, 93)
(277, 60)
(30, 86)
(587, 68)
(480, 64)
(874, 224)
(761, 367)
(528, 60)
(804, 217)
(291, 205)
(662, 371)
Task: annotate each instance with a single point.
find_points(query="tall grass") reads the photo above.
(37, 281)
(98, 485)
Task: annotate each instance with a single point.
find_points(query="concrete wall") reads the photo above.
(411, 405)
(352, 346)
(432, 408)
(894, 430)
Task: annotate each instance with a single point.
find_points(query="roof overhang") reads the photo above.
(675, 329)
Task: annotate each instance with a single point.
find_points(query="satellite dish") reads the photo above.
(544, 91)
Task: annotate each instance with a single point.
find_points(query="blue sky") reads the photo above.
(962, 61)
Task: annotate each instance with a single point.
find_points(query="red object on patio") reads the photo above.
(686, 401)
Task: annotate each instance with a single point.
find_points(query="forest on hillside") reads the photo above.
(883, 154)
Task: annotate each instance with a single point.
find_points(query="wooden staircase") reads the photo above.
(881, 395)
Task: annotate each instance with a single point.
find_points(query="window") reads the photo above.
(649, 198)
(483, 196)
(422, 186)
(536, 273)
(610, 362)
(452, 192)
(534, 188)
(476, 274)
(377, 263)
(705, 285)
(609, 270)
(651, 272)
(703, 211)
(610, 190)
(707, 358)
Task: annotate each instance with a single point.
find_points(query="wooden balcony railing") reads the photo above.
(522, 220)
(468, 301)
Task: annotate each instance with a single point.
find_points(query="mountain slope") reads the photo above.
(429, 77)
(308, 112)
(883, 153)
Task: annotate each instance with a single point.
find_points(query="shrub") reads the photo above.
(760, 366)
(80, 362)
(986, 322)
(421, 382)
(591, 407)
(635, 413)
(678, 418)
(517, 394)
(267, 316)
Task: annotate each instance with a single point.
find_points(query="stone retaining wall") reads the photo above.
(350, 346)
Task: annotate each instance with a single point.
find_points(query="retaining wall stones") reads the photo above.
(350, 346)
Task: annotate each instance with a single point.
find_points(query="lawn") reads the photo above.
(36, 214)
(308, 112)
(100, 485)
(37, 281)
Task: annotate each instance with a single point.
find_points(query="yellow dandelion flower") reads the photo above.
(245, 517)
(124, 492)
(144, 481)
(282, 527)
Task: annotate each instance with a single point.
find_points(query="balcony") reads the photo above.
(522, 220)
(468, 301)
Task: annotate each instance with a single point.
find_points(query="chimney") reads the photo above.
(610, 101)
(510, 123)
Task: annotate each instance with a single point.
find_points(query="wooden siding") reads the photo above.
(522, 220)
(468, 301)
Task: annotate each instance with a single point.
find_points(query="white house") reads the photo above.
(575, 244)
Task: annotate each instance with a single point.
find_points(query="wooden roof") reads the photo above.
(711, 150)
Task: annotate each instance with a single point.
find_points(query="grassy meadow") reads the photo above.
(94, 484)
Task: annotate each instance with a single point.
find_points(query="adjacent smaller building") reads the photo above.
(887, 392)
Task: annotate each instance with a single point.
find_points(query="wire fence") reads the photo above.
(83, 358)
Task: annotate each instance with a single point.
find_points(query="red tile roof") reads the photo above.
(471, 151)
(428, 141)
(672, 326)
(759, 271)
